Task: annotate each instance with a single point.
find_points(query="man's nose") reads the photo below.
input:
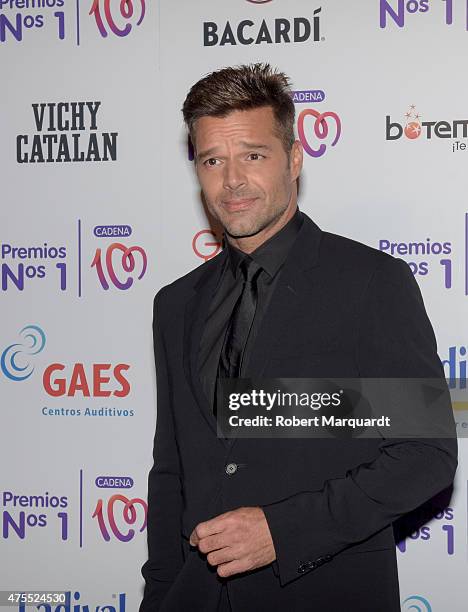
(233, 176)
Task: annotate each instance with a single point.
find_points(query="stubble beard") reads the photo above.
(243, 228)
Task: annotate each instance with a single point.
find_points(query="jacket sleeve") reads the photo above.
(395, 340)
(165, 557)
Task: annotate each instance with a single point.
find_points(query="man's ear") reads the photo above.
(296, 160)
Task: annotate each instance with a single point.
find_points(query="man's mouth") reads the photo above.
(240, 204)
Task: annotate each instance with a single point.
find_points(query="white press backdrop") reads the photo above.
(100, 208)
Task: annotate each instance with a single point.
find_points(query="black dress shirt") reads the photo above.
(271, 256)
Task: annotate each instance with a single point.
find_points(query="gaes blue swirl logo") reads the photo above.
(33, 341)
(416, 603)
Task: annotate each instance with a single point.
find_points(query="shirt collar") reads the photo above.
(272, 254)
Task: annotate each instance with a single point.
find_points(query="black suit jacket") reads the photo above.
(340, 309)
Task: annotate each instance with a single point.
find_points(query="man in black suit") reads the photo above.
(254, 525)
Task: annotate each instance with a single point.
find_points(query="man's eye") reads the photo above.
(256, 155)
(208, 161)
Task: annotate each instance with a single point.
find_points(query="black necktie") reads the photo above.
(240, 323)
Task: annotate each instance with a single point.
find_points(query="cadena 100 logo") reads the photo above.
(127, 264)
(320, 130)
(119, 509)
(129, 261)
(105, 12)
(116, 264)
(316, 130)
(105, 513)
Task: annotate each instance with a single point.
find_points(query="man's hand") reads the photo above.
(236, 541)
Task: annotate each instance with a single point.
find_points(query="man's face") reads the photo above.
(243, 170)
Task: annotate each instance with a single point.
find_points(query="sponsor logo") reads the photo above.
(436, 258)
(19, 18)
(275, 31)
(314, 127)
(395, 12)
(114, 482)
(15, 360)
(455, 367)
(117, 515)
(60, 20)
(414, 128)
(440, 531)
(22, 513)
(62, 380)
(308, 95)
(416, 603)
(112, 231)
(25, 264)
(130, 262)
(116, 264)
(423, 256)
(107, 14)
(66, 132)
(205, 244)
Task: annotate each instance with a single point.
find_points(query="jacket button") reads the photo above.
(231, 468)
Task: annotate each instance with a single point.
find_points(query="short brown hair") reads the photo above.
(243, 87)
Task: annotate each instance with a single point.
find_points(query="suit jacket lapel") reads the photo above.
(290, 294)
(288, 299)
(195, 314)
